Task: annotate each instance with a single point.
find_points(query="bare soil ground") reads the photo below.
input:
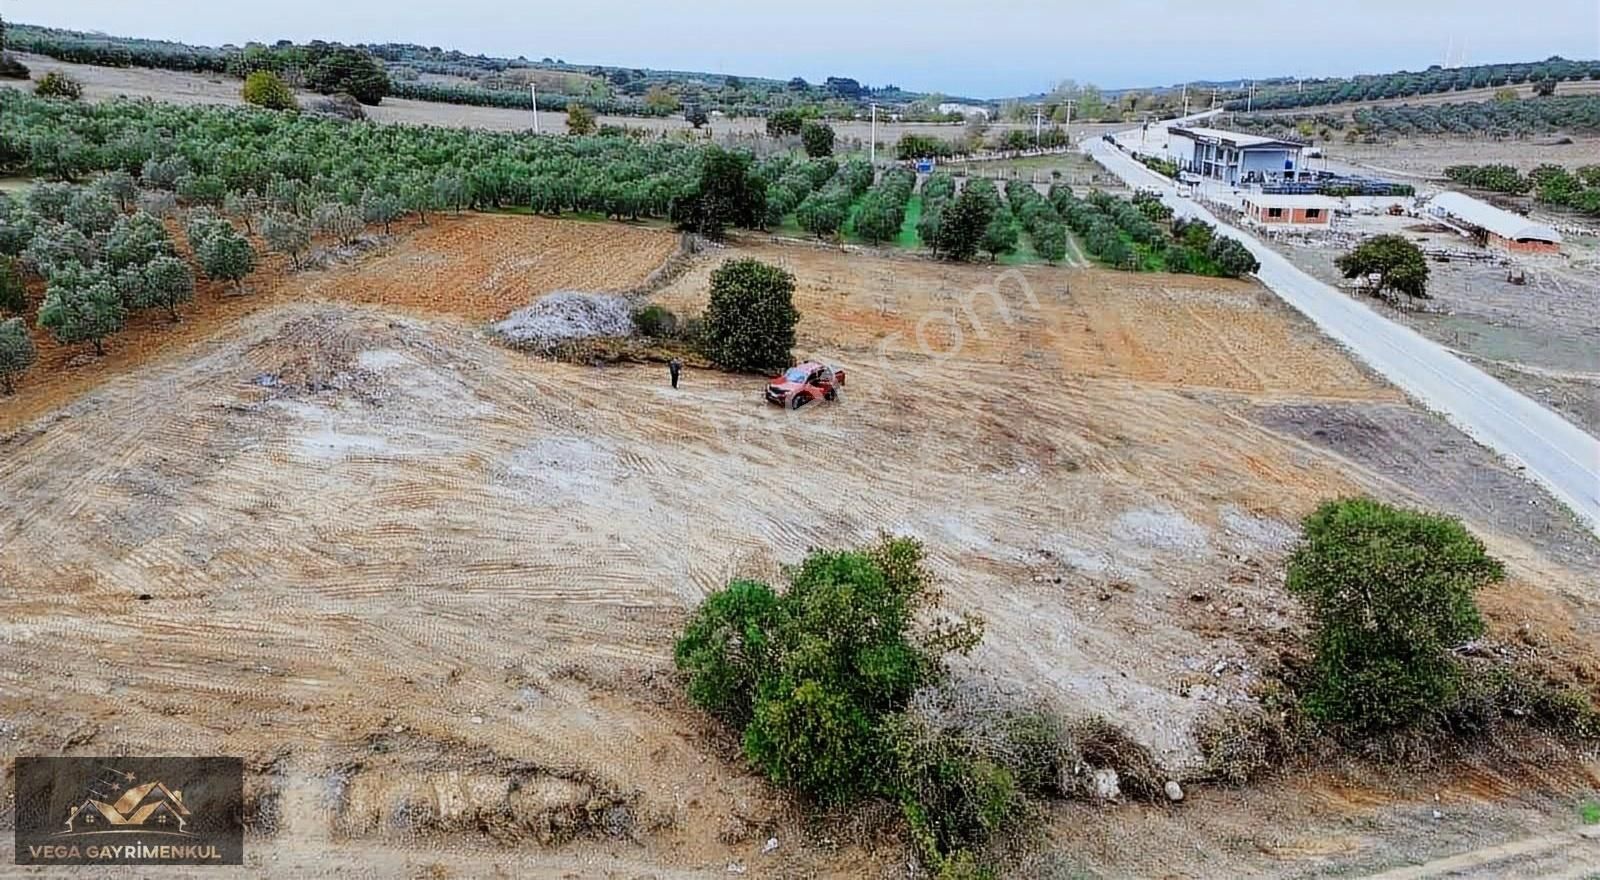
(1542, 337)
(179, 87)
(1429, 157)
(428, 586)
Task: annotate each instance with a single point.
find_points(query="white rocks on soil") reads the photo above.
(1107, 787)
(566, 316)
(1174, 791)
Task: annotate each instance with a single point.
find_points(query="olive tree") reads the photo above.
(340, 221)
(13, 296)
(136, 239)
(287, 234)
(225, 255)
(243, 207)
(16, 352)
(91, 212)
(381, 207)
(120, 186)
(56, 246)
(82, 305)
(167, 283)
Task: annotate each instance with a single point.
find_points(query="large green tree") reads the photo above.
(962, 225)
(750, 320)
(1391, 593)
(817, 138)
(728, 193)
(1399, 265)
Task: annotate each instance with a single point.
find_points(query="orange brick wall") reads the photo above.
(1525, 247)
(1291, 215)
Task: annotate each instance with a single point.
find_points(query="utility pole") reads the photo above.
(874, 150)
(1038, 124)
(1250, 97)
(1185, 99)
(533, 93)
(1069, 102)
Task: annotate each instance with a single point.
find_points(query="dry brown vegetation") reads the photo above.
(429, 586)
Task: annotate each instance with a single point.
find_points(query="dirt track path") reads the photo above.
(1564, 854)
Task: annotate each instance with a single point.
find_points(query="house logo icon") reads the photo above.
(117, 800)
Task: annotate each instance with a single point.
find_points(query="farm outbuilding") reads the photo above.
(1307, 210)
(1233, 157)
(1493, 226)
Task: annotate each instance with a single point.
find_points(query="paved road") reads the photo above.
(1551, 450)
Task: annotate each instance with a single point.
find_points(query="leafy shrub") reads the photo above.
(750, 320)
(580, 119)
(264, 88)
(13, 296)
(1390, 593)
(16, 352)
(819, 670)
(656, 321)
(11, 68)
(1231, 257)
(726, 646)
(56, 84)
(340, 105)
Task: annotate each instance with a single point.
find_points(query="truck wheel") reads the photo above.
(797, 401)
(831, 394)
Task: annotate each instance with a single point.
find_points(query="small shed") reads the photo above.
(1493, 226)
(1272, 210)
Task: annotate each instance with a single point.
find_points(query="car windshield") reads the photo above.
(797, 374)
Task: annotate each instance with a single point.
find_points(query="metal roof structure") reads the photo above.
(1505, 224)
(1234, 139)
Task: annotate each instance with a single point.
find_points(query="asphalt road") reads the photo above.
(1546, 447)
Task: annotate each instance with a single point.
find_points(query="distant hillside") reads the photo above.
(451, 76)
(1287, 93)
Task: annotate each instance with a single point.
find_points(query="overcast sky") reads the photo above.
(982, 48)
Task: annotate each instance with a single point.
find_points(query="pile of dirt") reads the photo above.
(564, 317)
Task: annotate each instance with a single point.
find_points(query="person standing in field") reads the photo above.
(673, 367)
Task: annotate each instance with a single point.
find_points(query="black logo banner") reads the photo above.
(129, 811)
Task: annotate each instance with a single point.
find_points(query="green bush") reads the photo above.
(656, 321)
(820, 671)
(264, 89)
(16, 352)
(1231, 257)
(1390, 593)
(750, 320)
(726, 646)
(56, 84)
(13, 297)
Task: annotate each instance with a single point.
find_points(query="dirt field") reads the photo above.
(1428, 157)
(102, 83)
(428, 586)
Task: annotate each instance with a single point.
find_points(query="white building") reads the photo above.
(1235, 158)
